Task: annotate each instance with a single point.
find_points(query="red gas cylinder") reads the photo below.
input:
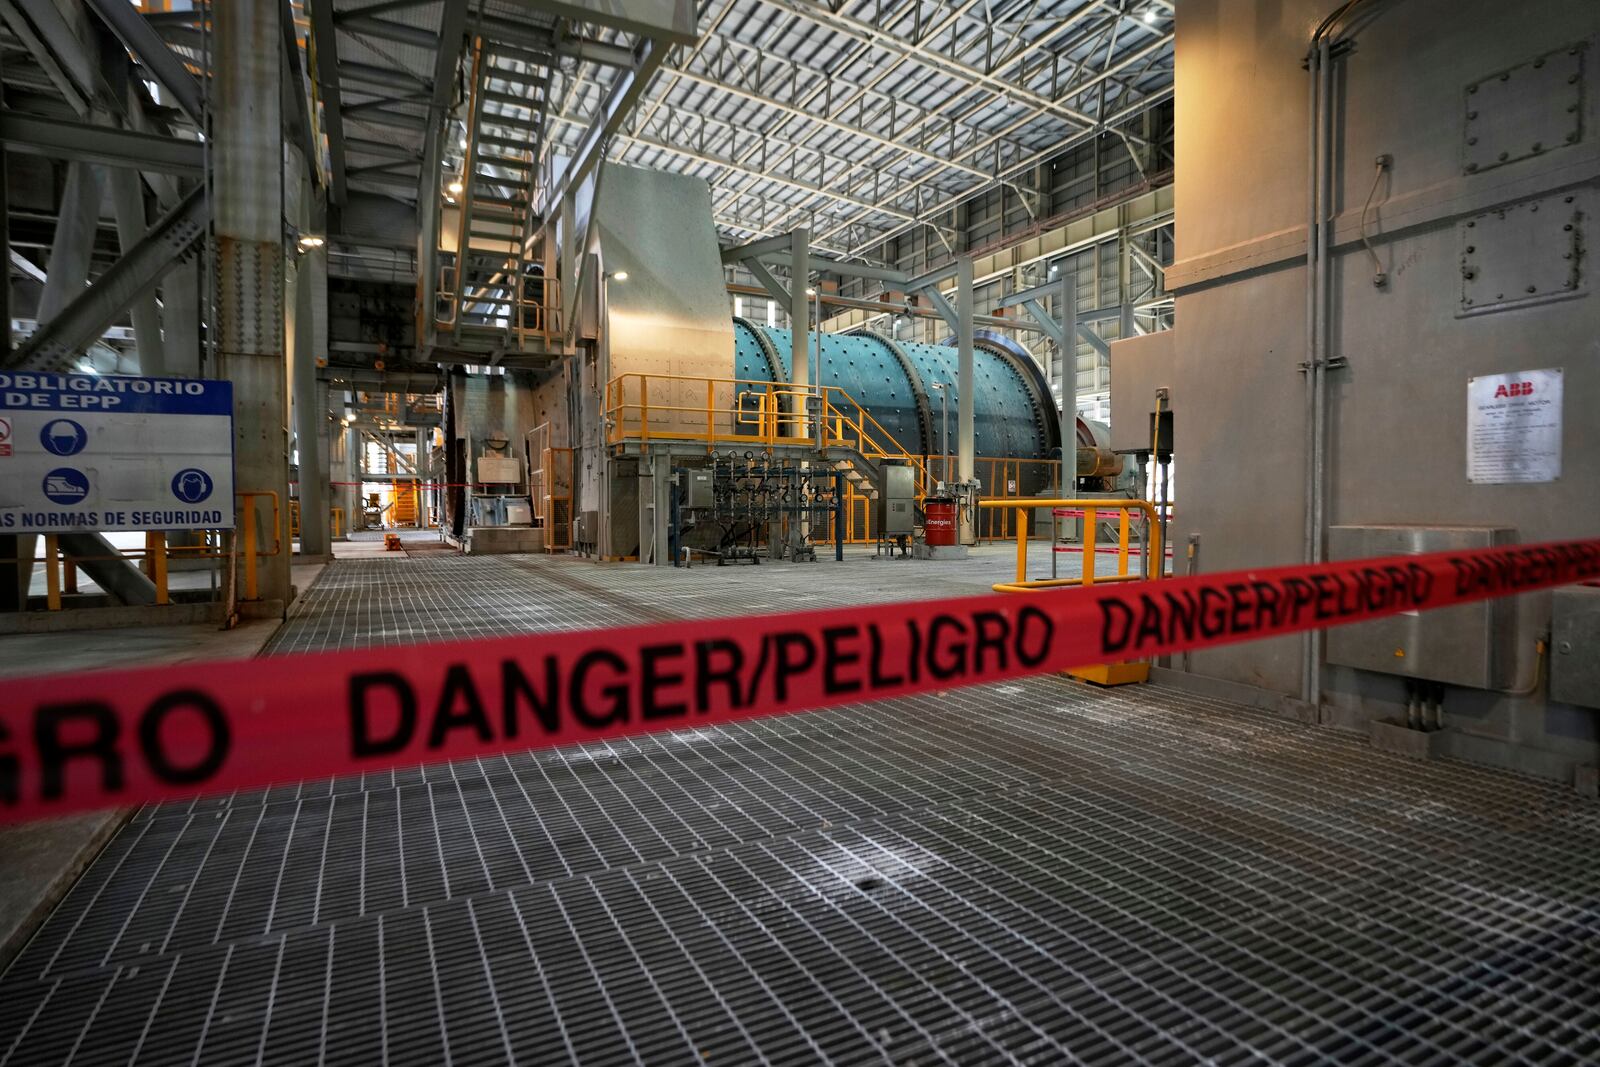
(939, 525)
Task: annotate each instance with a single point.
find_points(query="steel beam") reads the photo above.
(117, 576)
(86, 317)
(369, 74)
(948, 311)
(324, 42)
(768, 282)
(898, 278)
(781, 245)
(180, 318)
(615, 15)
(72, 245)
(127, 200)
(625, 91)
(1051, 327)
(105, 145)
(445, 60)
(141, 38)
(44, 32)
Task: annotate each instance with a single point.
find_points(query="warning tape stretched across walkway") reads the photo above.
(116, 738)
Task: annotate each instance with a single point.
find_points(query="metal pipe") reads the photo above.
(1306, 648)
(1320, 368)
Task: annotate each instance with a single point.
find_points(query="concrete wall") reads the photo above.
(1397, 444)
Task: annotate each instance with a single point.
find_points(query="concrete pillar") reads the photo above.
(248, 192)
(965, 459)
(68, 270)
(127, 204)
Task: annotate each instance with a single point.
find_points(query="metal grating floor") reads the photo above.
(1034, 872)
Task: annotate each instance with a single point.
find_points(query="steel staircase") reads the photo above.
(494, 293)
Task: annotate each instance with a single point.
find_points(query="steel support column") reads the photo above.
(310, 395)
(966, 463)
(799, 315)
(248, 187)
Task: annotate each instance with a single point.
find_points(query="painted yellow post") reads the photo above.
(156, 542)
(1022, 545)
(644, 407)
(711, 416)
(1122, 541)
(249, 524)
(1089, 535)
(52, 577)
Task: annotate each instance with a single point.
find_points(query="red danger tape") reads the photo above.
(117, 738)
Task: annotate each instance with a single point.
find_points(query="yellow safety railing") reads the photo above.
(1152, 565)
(61, 571)
(247, 527)
(1152, 561)
(745, 412)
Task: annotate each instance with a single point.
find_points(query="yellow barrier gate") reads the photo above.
(1152, 564)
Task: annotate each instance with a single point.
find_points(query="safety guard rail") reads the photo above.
(61, 571)
(1152, 563)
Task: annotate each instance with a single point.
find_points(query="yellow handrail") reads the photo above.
(1153, 563)
(845, 421)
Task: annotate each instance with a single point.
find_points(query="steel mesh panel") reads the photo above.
(1030, 872)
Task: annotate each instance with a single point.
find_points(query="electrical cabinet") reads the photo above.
(1469, 645)
(1575, 645)
(897, 499)
(698, 493)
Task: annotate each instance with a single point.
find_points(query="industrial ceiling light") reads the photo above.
(1150, 15)
(811, 292)
(455, 187)
(309, 241)
(619, 275)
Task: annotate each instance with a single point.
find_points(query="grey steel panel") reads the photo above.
(1575, 645)
(1525, 110)
(699, 493)
(1140, 366)
(1468, 645)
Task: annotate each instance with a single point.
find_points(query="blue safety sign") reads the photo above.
(114, 452)
(63, 437)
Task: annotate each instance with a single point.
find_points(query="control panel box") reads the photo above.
(697, 490)
(897, 498)
(1575, 645)
(1469, 645)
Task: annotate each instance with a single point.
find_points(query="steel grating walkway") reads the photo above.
(1035, 872)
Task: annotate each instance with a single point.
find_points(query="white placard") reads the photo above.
(1514, 427)
(82, 452)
